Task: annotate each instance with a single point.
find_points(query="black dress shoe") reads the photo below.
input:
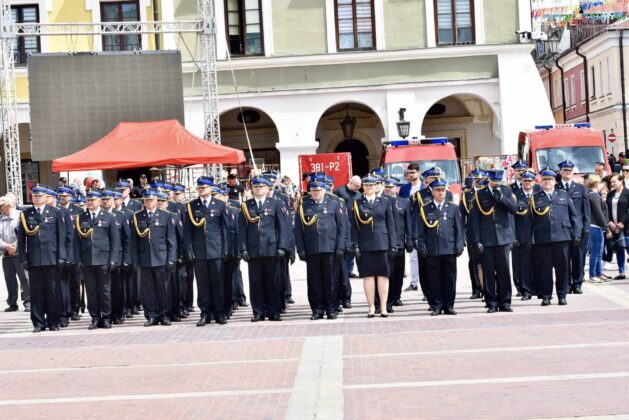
(243, 303)
(506, 308)
(63, 322)
(191, 309)
(331, 315)
(577, 290)
(390, 310)
(54, 328)
(518, 294)
(563, 301)
(11, 309)
(221, 320)
(316, 317)
(235, 306)
(377, 310)
(135, 311)
(106, 323)
(37, 329)
(150, 322)
(128, 315)
(371, 315)
(545, 302)
(354, 276)
(181, 314)
(491, 310)
(526, 297)
(75, 316)
(620, 277)
(398, 302)
(347, 304)
(275, 317)
(435, 312)
(384, 315)
(116, 321)
(165, 321)
(257, 318)
(339, 309)
(93, 324)
(202, 321)
(175, 318)
(449, 311)
(411, 288)
(27, 308)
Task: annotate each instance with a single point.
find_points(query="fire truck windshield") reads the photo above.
(583, 157)
(449, 167)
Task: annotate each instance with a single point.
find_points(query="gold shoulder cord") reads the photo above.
(82, 234)
(250, 219)
(143, 233)
(305, 221)
(430, 225)
(360, 220)
(465, 206)
(29, 232)
(539, 213)
(194, 222)
(420, 199)
(480, 208)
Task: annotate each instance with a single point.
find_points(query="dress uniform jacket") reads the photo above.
(69, 240)
(47, 246)
(233, 214)
(133, 205)
(160, 247)
(446, 238)
(103, 246)
(326, 235)
(496, 229)
(579, 195)
(419, 199)
(265, 237)
(210, 240)
(380, 234)
(402, 216)
(122, 220)
(560, 224)
(523, 218)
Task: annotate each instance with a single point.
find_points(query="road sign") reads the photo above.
(611, 138)
(338, 165)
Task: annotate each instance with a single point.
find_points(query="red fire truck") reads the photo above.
(548, 145)
(427, 152)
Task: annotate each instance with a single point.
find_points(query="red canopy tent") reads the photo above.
(154, 143)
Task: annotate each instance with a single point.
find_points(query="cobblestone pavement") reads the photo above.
(536, 362)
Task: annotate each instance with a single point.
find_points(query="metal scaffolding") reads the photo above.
(205, 27)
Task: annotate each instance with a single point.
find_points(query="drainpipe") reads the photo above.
(622, 87)
(155, 19)
(550, 87)
(563, 90)
(587, 87)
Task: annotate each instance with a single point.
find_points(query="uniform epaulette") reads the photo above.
(467, 190)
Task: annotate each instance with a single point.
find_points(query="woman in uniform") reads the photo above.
(373, 239)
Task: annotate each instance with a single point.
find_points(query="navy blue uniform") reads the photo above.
(579, 195)
(43, 247)
(206, 233)
(465, 207)
(66, 273)
(552, 234)
(496, 233)
(290, 251)
(154, 246)
(440, 240)
(320, 243)
(523, 273)
(261, 235)
(99, 252)
(232, 263)
(403, 234)
(120, 274)
(133, 205)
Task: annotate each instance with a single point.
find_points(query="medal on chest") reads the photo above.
(156, 222)
(325, 210)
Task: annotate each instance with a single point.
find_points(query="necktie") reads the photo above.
(439, 207)
(150, 215)
(259, 204)
(205, 203)
(38, 211)
(93, 216)
(124, 205)
(567, 185)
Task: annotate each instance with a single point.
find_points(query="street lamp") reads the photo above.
(403, 126)
(348, 124)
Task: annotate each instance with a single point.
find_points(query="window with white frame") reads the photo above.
(582, 85)
(609, 76)
(592, 83)
(454, 22)
(355, 25)
(600, 79)
(572, 91)
(243, 23)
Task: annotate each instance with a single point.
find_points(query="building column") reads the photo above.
(289, 165)
(523, 100)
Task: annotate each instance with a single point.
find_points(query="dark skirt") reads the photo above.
(371, 264)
